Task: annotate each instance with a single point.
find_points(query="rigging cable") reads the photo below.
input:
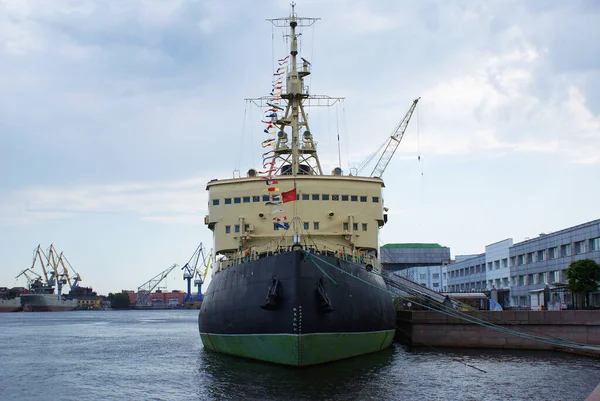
(337, 124)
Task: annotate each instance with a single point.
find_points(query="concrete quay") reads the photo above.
(439, 330)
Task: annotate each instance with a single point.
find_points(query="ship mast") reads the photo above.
(298, 156)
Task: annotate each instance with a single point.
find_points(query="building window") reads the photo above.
(595, 244)
(228, 201)
(335, 197)
(505, 262)
(306, 225)
(305, 196)
(435, 275)
(355, 226)
(363, 198)
(422, 276)
(579, 247)
(354, 198)
(364, 226)
(237, 200)
(315, 197)
(325, 197)
(345, 198)
(256, 199)
(541, 255)
(552, 253)
(489, 266)
(237, 228)
(529, 279)
(376, 199)
(505, 282)
(266, 198)
(215, 202)
(496, 264)
(227, 229)
(520, 260)
(345, 226)
(530, 257)
(565, 250)
(513, 260)
(315, 225)
(435, 285)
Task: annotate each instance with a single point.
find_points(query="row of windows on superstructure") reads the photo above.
(306, 225)
(578, 248)
(325, 197)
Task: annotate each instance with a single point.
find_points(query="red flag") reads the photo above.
(289, 196)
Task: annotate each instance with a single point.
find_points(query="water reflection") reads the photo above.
(238, 378)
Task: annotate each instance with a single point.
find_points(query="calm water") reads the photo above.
(157, 355)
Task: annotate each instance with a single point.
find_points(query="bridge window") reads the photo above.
(237, 200)
(256, 199)
(227, 229)
(228, 201)
(335, 197)
(237, 228)
(345, 226)
(376, 199)
(215, 202)
(354, 198)
(345, 198)
(246, 199)
(275, 226)
(364, 226)
(355, 226)
(315, 197)
(316, 225)
(305, 197)
(306, 225)
(363, 198)
(265, 198)
(246, 227)
(325, 197)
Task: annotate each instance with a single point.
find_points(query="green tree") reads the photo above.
(583, 276)
(119, 301)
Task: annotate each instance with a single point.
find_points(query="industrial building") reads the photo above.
(519, 273)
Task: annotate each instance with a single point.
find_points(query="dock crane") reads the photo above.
(190, 269)
(200, 280)
(390, 145)
(144, 290)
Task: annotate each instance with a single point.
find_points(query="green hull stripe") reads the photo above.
(298, 350)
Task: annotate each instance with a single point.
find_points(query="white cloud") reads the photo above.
(177, 202)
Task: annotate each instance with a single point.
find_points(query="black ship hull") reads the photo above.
(296, 308)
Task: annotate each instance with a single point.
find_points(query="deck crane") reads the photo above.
(144, 290)
(53, 262)
(38, 254)
(190, 270)
(390, 145)
(71, 279)
(30, 275)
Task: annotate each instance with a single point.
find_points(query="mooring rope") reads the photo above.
(443, 309)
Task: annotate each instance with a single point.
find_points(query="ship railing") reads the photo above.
(249, 255)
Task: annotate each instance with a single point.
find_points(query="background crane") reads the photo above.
(389, 146)
(144, 290)
(190, 269)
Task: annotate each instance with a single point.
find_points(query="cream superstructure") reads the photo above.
(333, 213)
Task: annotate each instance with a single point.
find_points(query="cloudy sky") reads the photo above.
(115, 114)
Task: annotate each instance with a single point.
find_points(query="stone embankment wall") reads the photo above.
(436, 329)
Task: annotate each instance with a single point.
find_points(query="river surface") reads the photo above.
(157, 355)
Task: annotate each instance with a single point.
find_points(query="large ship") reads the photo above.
(56, 273)
(47, 303)
(297, 278)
